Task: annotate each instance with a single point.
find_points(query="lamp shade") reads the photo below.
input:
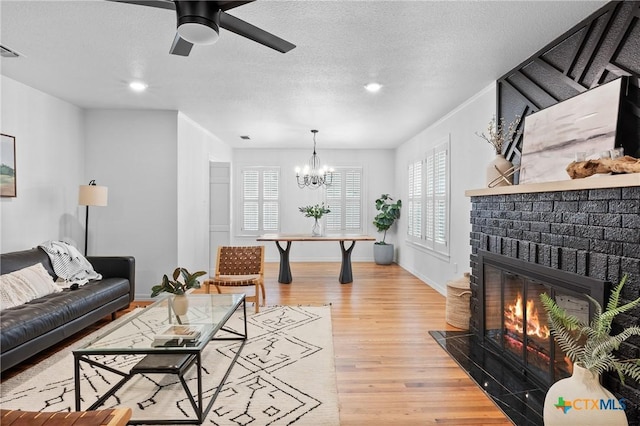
(92, 195)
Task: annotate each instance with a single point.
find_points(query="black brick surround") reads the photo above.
(593, 232)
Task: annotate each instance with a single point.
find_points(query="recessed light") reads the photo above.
(373, 87)
(138, 86)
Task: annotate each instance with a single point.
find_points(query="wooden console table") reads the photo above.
(284, 277)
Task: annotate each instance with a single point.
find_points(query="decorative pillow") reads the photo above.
(19, 287)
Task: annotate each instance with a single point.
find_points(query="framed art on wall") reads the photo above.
(7, 165)
(585, 125)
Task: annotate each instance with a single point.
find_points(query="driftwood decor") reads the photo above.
(582, 169)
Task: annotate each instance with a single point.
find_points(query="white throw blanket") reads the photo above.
(69, 264)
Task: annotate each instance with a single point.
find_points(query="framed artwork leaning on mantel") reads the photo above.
(7, 165)
(586, 124)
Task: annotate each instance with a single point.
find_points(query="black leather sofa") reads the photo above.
(28, 329)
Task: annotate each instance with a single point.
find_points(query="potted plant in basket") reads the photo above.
(316, 212)
(590, 347)
(178, 288)
(388, 213)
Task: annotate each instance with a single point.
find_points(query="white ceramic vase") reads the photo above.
(581, 400)
(499, 165)
(180, 304)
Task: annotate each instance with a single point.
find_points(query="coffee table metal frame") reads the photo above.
(191, 356)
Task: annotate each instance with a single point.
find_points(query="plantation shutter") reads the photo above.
(437, 198)
(344, 199)
(414, 220)
(429, 191)
(251, 195)
(353, 201)
(428, 204)
(334, 203)
(270, 197)
(440, 196)
(260, 200)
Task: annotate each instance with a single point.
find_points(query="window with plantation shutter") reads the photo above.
(428, 206)
(428, 198)
(260, 200)
(440, 198)
(344, 198)
(414, 205)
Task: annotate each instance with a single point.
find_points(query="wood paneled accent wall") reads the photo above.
(599, 49)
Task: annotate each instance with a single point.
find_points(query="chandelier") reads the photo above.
(313, 175)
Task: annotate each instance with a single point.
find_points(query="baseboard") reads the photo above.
(440, 288)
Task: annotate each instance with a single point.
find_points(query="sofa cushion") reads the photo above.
(26, 284)
(39, 316)
(10, 262)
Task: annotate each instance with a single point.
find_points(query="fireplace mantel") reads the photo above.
(593, 182)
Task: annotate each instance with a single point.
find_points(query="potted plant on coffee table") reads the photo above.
(388, 213)
(591, 349)
(178, 288)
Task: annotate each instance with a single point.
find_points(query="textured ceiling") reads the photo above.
(430, 57)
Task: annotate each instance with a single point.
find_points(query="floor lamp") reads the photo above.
(91, 195)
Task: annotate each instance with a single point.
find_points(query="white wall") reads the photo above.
(196, 147)
(469, 157)
(378, 178)
(134, 153)
(158, 202)
(49, 168)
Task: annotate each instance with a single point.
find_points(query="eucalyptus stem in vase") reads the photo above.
(316, 211)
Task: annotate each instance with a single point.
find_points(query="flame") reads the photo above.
(514, 319)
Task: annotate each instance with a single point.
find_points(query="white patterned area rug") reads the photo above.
(285, 375)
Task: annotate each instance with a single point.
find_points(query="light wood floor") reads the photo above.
(389, 370)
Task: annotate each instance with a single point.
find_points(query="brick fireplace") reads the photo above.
(588, 228)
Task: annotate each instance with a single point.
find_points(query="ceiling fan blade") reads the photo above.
(230, 4)
(162, 4)
(180, 46)
(254, 33)
(169, 4)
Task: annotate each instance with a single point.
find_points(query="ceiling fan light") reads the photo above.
(138, 86)
(197, 33)
(373, 87)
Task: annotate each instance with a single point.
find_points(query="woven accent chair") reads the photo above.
(240, 266)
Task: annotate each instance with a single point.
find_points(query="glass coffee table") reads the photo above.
(145, 334)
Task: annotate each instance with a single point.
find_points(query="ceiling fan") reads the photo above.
(199, 22)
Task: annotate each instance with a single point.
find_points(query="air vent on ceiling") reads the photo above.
(5, 52)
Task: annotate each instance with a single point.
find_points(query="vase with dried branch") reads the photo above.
(499, 134)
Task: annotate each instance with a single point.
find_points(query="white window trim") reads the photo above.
(239, 231)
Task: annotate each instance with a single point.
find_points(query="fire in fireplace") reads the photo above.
(515, 317)
(518, 321)
(514, 320)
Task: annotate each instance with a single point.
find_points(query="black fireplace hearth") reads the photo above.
(519, 398)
